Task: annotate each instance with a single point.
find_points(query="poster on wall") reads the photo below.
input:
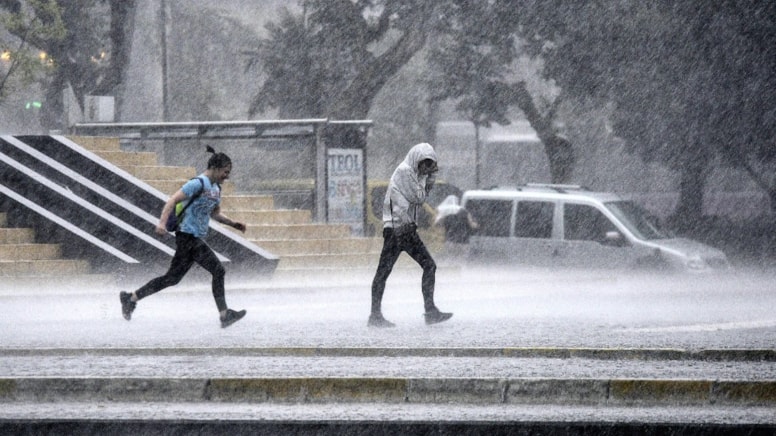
(345, 171)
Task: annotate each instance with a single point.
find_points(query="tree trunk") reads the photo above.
(772, 197)
(356, 99)
(759, 178)
(689, 210)
(122, 19)
(560, 154)
(561, 158)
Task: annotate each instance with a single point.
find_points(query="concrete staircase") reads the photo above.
(25, 263)
(21, 256)
(309, 252)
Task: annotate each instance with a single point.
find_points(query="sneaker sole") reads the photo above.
(380, 326)
(439, 320)
(232, 321)
(127, 316)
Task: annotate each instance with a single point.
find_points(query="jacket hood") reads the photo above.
(418, 153)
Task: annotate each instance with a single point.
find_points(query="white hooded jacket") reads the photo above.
(407, 188)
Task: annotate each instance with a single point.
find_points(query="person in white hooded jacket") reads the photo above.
(410, 183)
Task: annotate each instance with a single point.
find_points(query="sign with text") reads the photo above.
(345, 171)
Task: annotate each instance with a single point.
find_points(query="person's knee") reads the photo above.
(172, 279)
(219, 271)
(381, 276)
(429, 266)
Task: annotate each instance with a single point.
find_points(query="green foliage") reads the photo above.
(334, 57)
(28, 24)
(78, 40)
(471, 61)
(690, 80)
(292, 69)
(308, 60)
(84, 53)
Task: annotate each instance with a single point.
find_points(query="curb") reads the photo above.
(606, 392)
(712, 355)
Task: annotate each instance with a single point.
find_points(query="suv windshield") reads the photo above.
(641, 223)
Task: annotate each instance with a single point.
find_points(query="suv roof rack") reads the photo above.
(557, 187)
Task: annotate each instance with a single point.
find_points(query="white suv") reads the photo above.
(569, 226)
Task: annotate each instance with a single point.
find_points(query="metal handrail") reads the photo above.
(189, 129)
(250, 129)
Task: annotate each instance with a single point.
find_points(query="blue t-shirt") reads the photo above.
(196, 219)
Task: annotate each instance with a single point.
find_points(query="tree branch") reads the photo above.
(355, 101)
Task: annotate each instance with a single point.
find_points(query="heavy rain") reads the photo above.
(615, 160)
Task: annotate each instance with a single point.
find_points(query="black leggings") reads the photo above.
(189, 249)
(392, 248)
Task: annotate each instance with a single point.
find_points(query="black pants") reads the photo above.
(189, 249)
(392, 248)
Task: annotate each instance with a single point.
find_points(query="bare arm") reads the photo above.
(225, 220)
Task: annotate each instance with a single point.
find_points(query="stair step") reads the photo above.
(16, 235)
(336, 260)
(44, 268)
(296, 231)
(19, 252)
(246, 202)
(271, 217)
(159, 172)
(126, 159)
(287, 247)
(97, 143)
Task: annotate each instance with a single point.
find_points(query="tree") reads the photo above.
(27, 25)
(334, 58)
(119, 30)
(88, 52)
(744, 44)
(665, 66)
(472, 63)
(92, 57)
(691, 82)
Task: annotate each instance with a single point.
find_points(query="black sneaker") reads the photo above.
(127, 305)
(377, 320)
(435, 316)
(231, 317)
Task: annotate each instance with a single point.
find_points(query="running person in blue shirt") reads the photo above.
(190, 246)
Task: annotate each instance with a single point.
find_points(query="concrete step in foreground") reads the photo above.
(473, 376)
(396, 390)
(166, 418)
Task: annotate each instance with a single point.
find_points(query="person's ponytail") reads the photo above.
(218, 160)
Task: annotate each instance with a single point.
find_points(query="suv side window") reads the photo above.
(585, 223)
(534, 219)
(493, 216)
